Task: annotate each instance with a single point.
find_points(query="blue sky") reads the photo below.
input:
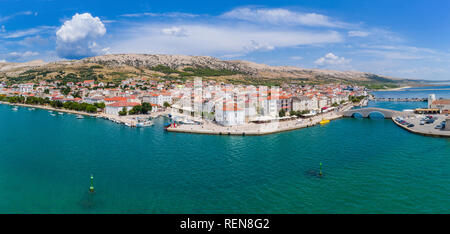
(406, 39)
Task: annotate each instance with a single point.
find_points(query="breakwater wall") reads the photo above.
(399, 99)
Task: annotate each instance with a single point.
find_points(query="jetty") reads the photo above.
(425, 129)
(398, 99)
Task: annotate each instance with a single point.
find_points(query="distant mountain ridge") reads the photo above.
(119, 66)
(251, 68)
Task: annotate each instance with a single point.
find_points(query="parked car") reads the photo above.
(438, 126)
(410, 125)
(422, 122)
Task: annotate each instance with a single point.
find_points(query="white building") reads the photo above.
(229, 115)
(303, 103)
(26, 88)
(431, 99)
(159, 99)
(114, 108)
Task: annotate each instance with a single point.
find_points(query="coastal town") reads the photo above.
(211, 107)
(190, 104)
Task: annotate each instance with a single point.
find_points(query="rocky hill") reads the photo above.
(120, 66)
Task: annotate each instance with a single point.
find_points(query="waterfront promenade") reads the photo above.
(249, 129)
(129, 120)
(51, 109)
(253, 128)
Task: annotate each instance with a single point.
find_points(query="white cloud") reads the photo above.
(401, 52)
(29, 32)
(20, 55)
(8, 17)
(169, 14)
(256, 46)
(2, 61)
(76, 37)
(3, 29)
(296, 57)
(174, 31)
(280, 16)
(331, 59)
(215, 40)
(358, 34)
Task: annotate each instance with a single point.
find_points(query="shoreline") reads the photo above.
(51, 108)
(395, 89)
(291, 126)
(252, 129)
(126, 120)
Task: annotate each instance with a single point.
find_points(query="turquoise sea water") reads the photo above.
(369, 166)
(416, 92)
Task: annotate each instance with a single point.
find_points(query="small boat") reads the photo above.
(80, 117)
(32, 109)
(53, 114)
(144, 124)
(167, 125)
(324, 121)
(60, 113)
(15, 109)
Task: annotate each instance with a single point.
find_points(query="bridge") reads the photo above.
(366, 112)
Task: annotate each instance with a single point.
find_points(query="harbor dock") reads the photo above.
(425, 129)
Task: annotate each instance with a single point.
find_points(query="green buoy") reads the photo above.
(320, 172)
(91, 188)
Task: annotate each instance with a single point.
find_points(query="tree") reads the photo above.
(77, 95)
(282, 113)
(123, 111)
(100, 105)
(146, 107)
(304, 112)
(91, 109)
(65, 91)
(166, 104)
(46, 91)
(135, 110)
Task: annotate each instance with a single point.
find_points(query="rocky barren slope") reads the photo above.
(119, 66)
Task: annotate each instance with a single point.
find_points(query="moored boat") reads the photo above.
(324, 121)
(80, 117)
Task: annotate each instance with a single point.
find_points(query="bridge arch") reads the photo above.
(370, 111)
(375, 113)
(357, 115)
